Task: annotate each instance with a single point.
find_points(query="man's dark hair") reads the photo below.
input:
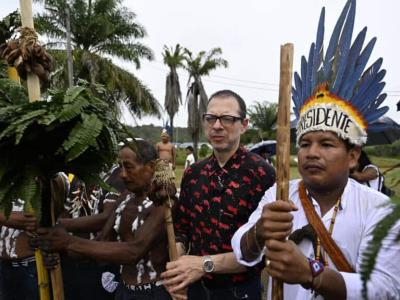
(190, 148)
(145, 152)
(229, 93)
(363, 161)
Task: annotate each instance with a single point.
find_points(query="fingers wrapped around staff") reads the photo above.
(276, 220)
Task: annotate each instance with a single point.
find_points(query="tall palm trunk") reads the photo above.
(197, 106)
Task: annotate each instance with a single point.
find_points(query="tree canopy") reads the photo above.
(100, 29)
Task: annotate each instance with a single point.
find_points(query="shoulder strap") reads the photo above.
(329, 244)
(380, 181)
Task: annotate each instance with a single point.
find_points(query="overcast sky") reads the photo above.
(250, 34)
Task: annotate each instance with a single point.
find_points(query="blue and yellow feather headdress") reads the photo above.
(333, 92)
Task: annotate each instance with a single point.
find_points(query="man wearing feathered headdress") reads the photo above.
(330, 218)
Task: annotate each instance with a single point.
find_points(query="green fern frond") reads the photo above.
(5, 197)
(73, 109)
(83, 137)
(71, 131)
(18, 126)
(73, 93)
(35, 204)
(28, 184)
(381, 231)
(3, 167)
(12, 93)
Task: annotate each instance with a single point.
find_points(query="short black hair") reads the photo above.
(145, 152)
(190, 148)
(363, 161)
(229, 93)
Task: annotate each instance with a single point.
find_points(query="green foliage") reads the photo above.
(251, 136)
(99, 29)
(8, 25)
(71, 132)
(3, 69)
(263, 116)
(380, 232)
(204, 151)
(389, 150)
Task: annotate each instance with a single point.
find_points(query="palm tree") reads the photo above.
(263, 116)
(196, 97)
(100, 29)
(8, 26)
(173, 58)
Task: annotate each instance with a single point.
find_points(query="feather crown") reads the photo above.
(333, 92)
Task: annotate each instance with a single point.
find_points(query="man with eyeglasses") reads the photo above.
(217, 196)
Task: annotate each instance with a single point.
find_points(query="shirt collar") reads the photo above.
(213, 166)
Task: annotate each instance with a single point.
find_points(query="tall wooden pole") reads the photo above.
(283, 140)
(173, 252)
(32, 79)
(34, 95)
(70, 68)
(33, 84)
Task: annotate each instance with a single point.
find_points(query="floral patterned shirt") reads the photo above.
(214, 202)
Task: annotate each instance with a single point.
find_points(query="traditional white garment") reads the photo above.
(8, 236)
(361, 209)
(376, 183)
(189, 160)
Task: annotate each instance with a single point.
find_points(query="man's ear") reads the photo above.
(245, 124)
(354, 155)
(151, 164)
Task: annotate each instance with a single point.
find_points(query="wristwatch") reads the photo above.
(208, 264)
(317, 268)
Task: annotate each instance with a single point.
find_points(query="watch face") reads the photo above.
(208, 266)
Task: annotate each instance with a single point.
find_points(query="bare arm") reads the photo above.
(226, 263)
(130, 252)
(368, 174)
(93, 223)
(19, 220)
(189, 268)
(173, 159)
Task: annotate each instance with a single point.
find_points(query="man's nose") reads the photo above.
(123, 173)
(313, 150)
(218, 124)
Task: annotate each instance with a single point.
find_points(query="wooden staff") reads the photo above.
(33, 84)
(164, 178)
(283, 140)
(173, 253)
(32, 79)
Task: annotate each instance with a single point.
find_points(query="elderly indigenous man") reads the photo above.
(18, 278)
(88, 209)
(166, 150)
(331, 215)
(138, 225)
(217, 196)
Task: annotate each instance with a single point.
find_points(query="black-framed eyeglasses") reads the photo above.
(225, 120)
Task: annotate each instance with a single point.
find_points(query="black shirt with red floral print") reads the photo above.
(214, 202)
